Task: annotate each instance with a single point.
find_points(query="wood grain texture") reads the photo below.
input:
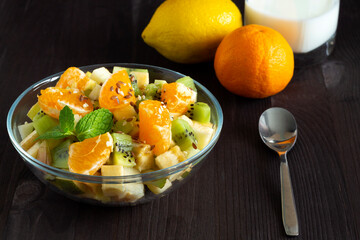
(236, 193)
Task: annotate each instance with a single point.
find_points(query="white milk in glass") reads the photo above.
(305, 24)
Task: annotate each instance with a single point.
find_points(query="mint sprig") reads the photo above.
(66, 119)
(91, 125)
(65, 128)
(55, 133)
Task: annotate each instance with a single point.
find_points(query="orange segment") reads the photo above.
(117, 92)
(155, 125)
(177, 97)
(52, 100)
(88, 156)
(73, 78)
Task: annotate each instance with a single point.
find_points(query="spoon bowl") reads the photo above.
(278, 130)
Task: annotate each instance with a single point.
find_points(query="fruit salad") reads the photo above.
(116, 124)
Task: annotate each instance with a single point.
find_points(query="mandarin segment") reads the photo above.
(177, 97)
(117, 92)
(155, 125)
(73, 77)
(52, 100)
(88, 156)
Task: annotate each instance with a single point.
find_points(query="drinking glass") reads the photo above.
(309, 26)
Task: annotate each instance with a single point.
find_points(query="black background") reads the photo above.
(236, 193)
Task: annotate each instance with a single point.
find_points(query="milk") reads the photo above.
(305, 24)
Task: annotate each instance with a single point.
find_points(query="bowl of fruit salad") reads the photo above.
(115, 134)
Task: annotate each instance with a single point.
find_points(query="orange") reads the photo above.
(88, 156)
(177, 97)
(73, 78)
(117, 92)
(155, 125)
(254, 61)
(52, 100)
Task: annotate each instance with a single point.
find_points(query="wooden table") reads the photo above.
(236, 193)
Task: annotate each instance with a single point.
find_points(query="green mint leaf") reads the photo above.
(66, 120)
(56, 133)
(93, 124)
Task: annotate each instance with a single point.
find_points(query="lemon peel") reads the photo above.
(189, 31)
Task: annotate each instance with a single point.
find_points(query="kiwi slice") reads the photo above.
(122, 154)
(160, 83)
(60, 155)
(125, 159)
(44, 123)
(38, 115)
(199, 111)
(156, 185)
(134, 85)
(125, 125)
(67, 186)
(152, 91)
(183, 134)
(122, 142)
(187, 81)
(33, 111)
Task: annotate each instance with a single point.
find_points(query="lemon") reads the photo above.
(189, 31)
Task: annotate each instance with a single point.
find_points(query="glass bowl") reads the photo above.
(87, 188)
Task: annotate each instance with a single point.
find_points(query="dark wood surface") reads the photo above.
(236, 193)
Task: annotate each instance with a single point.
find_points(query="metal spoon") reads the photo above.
(278, 130)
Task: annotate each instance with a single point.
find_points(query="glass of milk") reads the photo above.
(309, 26)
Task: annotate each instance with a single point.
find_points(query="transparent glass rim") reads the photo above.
(150, 176)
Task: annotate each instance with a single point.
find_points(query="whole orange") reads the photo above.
(254, 61)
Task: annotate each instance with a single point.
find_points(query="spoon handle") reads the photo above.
(289, 215)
